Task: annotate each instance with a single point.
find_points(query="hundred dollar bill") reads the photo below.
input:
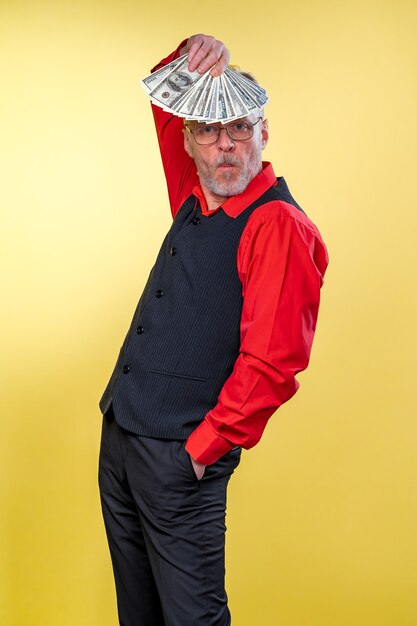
(241, 78)
(221, 111)
(227, 104)
(150, 82)
(251, 87)
(194, 94)
(247, 86)
(175, 85)
(201, 104)
(249, 101)
(189, 105)
(211, 107)
(190, 93)
(239, 107)
(238, 110)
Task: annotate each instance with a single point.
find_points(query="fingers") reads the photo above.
(221, 64)
(205, 52)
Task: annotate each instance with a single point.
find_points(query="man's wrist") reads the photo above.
(206, 445)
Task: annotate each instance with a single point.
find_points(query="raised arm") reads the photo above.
(204, 52)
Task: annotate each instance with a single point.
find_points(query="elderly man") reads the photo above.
(225, 322)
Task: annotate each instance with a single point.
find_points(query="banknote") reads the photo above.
(201, 104)
(211, 108)
(247, 100)
(202, 97)
(191, 104)
(150, 82)
(230, 109)
(221, 111)
(174, 86)
(247, 88)
(251, 87)
(238, 105)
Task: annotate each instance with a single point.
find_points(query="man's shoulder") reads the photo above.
(278, 206)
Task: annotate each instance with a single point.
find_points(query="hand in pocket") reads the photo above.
(199, 468)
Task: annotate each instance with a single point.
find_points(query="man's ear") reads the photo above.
(187, 146)
(264, 133)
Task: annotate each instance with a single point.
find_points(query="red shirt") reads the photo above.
(281, 263)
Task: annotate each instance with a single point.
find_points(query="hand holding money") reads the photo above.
(200, 86)
(205, 52)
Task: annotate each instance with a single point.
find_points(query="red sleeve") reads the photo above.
(179, 168)
(281, 263)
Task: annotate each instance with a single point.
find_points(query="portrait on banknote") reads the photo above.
(179, 81)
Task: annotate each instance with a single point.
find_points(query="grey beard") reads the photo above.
(227, 188)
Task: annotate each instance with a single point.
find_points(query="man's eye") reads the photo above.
(207, 130)
(241, 126)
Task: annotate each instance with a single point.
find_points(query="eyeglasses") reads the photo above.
(205, 134)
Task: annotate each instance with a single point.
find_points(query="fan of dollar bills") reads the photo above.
(203, 97)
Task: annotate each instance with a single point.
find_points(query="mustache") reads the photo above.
(230, 159)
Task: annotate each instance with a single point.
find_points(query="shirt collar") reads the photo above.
(234, 205)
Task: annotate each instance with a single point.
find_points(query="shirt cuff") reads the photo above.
(205, 445)
(170, 57)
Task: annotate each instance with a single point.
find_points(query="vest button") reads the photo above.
(139, 330)
(196, 220)
(173, 251)
(159, 293)
(126, 369)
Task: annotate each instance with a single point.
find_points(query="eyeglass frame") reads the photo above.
(223, 127)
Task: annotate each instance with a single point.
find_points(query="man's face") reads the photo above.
(226, 167)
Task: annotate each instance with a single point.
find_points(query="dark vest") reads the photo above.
(185, 334)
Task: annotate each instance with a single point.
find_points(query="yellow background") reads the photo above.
(322, 514)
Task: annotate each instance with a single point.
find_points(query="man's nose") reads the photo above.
(224, 142)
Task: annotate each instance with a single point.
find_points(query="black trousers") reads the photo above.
(165, 529)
